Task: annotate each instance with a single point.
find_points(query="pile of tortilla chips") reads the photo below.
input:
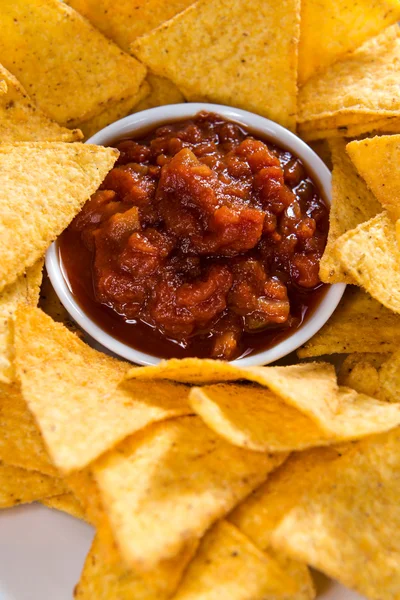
(205, 480)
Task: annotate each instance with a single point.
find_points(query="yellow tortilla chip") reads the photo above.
(308, 131)
(255, 418)
(359, 324)
(352, 204)
(19, 486)
(364, 81)
(344, 524)
(66, 503)
(22, 121)
(331, 28)
(21, 444)
(370, 254)
(3, 87)
(114, 111)
(389, 379)
(261, 513)
(162, 92)
(90, 412)
(228, 565)
(181, 471)
(71, 70)
(24, 291)
(292, 384)
(360, 371)
(377, 161)
(255, 49)
(42, 187)
(103, 579)
(124, 22)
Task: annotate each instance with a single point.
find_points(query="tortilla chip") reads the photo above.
(22, 121)
(3, 87)
(66, 503)
(331, 28)
(124, 22)
(359, 324)
(377, 161)
(181, 471)
(370, 254)
(114, 111)
(90, 413)
(21, 444)
(371, 126)
(19, 486)
(71, 70)
(261, 513)
(163, 92)
(256, 46)
(24, 291)
(360, 371)
(364, 81)
(292, 384)
(352, 204)
(255, 418)
(389, 379)
(344, 525)
(42, 187)
(104, 579)
(228, 565)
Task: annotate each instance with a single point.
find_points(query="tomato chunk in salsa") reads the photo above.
(202, 236)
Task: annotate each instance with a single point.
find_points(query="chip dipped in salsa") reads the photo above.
(203, 240)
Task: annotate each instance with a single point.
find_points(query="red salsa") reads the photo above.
(202, 241)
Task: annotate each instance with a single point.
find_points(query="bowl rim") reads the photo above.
(265, 127)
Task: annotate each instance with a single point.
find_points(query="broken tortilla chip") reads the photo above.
(228, 565)
(331, 28)
(114, 111)
(22, 121)
(377, 160)
(370, 254)
(308, 131)
(24, 291)
(359, 324)
(252, 417)
(364, 81)
(178, 469)
(257, 46)
(43, 185)
(124, 22)
(343, 524)
(352, 204)
(21, 444)
(90, 412)
(19, 486)
(71, 70)
(65, 503)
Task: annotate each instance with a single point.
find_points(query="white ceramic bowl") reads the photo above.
(151, 118)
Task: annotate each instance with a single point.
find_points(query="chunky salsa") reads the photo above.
(202, 241)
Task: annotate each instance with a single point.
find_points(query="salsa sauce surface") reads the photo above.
(202, 241)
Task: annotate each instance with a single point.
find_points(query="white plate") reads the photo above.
(42, 552)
